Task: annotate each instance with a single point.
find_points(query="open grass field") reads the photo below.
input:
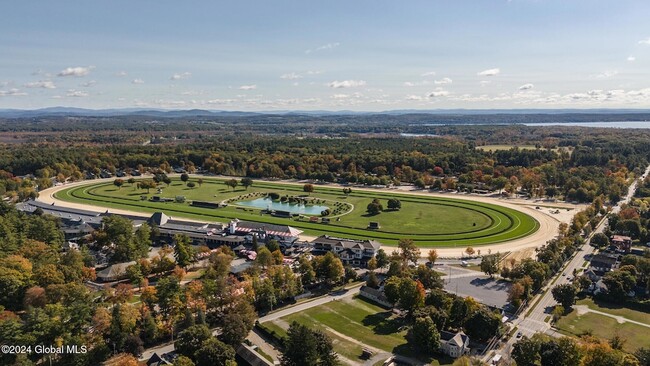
(617, 310)
(429, 221)
(605, 327)
(354, 324)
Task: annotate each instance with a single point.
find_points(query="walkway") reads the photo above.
(583, 309)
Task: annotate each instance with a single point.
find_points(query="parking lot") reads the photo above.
(465, 282)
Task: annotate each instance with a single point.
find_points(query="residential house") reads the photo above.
(622, 243)
(376, 295)
(114, 272)
(603, 262)
(454, 344)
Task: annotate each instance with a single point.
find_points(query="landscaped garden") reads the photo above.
(429, 221)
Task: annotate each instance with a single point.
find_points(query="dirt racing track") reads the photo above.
(547, 223)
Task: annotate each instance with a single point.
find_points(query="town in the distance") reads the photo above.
(448, 244)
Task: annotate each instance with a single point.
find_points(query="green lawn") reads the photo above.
(357, 319)
(636, 336)
(430, 221)
(616, 309)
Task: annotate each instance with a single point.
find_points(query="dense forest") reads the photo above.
(572, 163)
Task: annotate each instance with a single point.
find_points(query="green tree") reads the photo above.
(408, 251)
(306, 270)
(483, 325)
(411, 295)
(235, 328)
(303, 346)
(372, 280)
(185, 177)
(246, 182)
(619, 284)
(118, 183)
(424, 335)
(182, 250)
(565, 295)
(394, 204)
(273, 245)
(191, 340)
(183, 361)
(264, 257)
(599, 240)
(134, 274)
(329, 268)
(428, 277)
(382, 259)
(374, 207)
(265, 298)
(213, 352)
(308, 188)
(232, 183)
(526, 351)
(643, 355)
(490, 264)
(191, 185)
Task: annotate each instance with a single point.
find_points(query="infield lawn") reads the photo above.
(429, 221)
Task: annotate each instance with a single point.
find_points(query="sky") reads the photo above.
(363, 55)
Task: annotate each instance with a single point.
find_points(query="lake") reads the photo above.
(613, 124)
(268, 204)
(621, 124)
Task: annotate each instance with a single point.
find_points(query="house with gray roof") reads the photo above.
(454, 344)
(351, 251)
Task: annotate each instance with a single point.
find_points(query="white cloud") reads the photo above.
(485, 83)
(418, 83)
(248, 87)
(606, 74)
(526, 86)
(443, 81)
(137, 81)
(631, 58)
(314, 72)
(645, 41)
(121, 73)
(340, 96)
(180, 76)
(89, 83)
(76, 93)
(328, 46)
(291, 76)
(44, 84)
(430, 73)
(413, 97)
(346, 84)
(12, 93)
(489, 72)
(438, 93)
(75, 71)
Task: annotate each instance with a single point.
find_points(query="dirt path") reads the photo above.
(548, 223)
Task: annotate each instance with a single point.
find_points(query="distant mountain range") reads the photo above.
(162, 113)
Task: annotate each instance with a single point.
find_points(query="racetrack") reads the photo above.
(547, 229)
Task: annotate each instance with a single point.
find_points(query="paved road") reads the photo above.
(537, 320)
